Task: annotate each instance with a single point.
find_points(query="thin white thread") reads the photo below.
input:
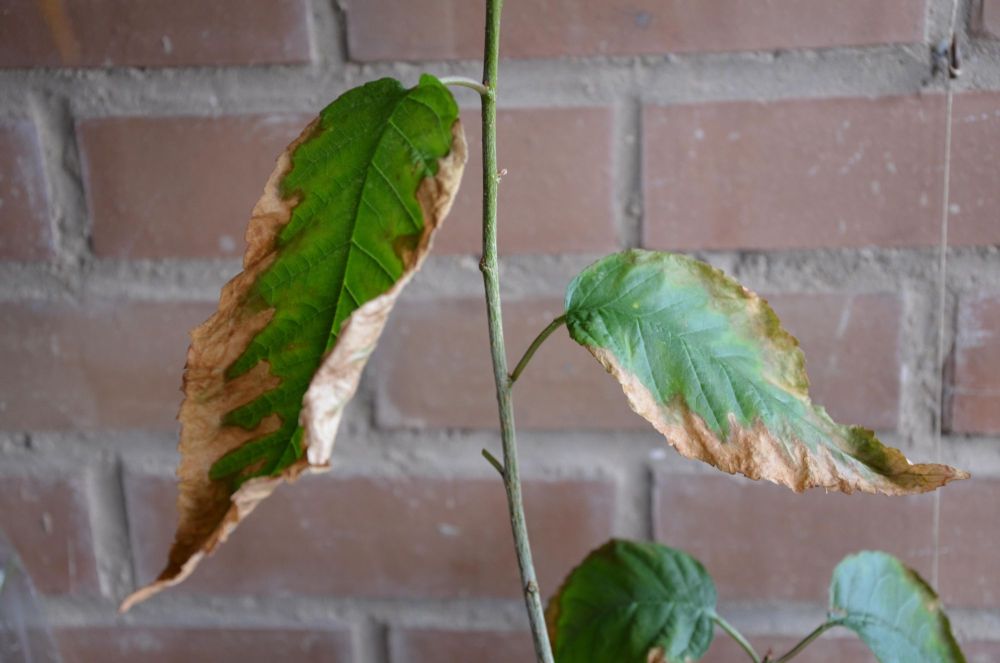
(939, 359)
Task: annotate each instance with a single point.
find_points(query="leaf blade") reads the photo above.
(268, 376)
(631, 601)
(707, 362)
(902, 621)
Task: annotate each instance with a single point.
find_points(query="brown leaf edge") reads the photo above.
(756, 453)
(207, 513)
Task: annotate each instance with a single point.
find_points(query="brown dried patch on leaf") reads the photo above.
(758, 454)
(207, 511)
(656, 655)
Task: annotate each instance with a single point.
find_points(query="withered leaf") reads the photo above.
(344, 222)
(707, 362)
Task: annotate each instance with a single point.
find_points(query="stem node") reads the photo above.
(498, 351)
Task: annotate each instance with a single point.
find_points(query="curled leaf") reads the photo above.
(892, 609)
(632, 601)
(707, 362)
(344, 222)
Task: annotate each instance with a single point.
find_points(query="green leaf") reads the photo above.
(892, 609)
(707, 362)
(344, 222)
(633, 602)
(348, 241)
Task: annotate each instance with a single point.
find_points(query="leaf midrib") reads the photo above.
(353, 241)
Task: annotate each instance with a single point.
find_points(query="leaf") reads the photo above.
(892, 609)
(631, 601)
(344, 222)
(707, 362)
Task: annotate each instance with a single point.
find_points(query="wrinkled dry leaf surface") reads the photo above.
(707, 362)
(345, 221)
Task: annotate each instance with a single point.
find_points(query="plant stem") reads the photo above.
(794, 651)
(737, 636)
(491, 281)
(530, 352)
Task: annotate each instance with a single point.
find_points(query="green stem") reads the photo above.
(737, 636)
(530, 352)
(794, 651)
(497, 465)
(491, 281)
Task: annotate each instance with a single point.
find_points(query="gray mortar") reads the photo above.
(57, 99)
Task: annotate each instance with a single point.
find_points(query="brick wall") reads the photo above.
(798, 144)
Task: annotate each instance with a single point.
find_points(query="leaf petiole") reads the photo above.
(737, 636)
(462, 81)
(530, 352)
(797, 649)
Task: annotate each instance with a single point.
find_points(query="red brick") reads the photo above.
(47, 522)
(794, 174)
(975, 159)
(435, 645)
(970, 538)
(763, 541)
(434, 370)
(437, 29)
(94, 365)
(152, 33)
(181, 186)
(557, 193)
(165, 644)
(851, 343)
(24, 215)
(836, 646)
(981, 652)
(975, 388)
(382, 537)
(989, 20)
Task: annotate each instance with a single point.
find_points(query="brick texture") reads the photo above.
(408, 645)
(24, 217)
(981, 652)
(433, 365)
(433, 369)
(178, 187)
(793, 174)
(557, 193)
(851, 343)
(387, 538)
(186, 645)
(110, 33)
(796, 140)
(970, 534)
(101, 364)
(759, 540)
(47, 522)
(975, 388)
(975, 160)
(447, 29)
(836, 646)
(990, 18)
